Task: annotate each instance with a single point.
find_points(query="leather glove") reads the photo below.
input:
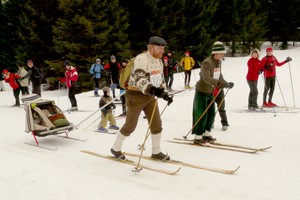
(167, 98)
(226, 85)
(288, 59)
(156, 91)
(230, 85)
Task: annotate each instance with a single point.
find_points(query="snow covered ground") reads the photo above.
(31, 173)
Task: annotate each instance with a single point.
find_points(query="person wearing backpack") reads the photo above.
(187, 63)
(13, 82)
(269, 64)
(96, 70)
(146, 82)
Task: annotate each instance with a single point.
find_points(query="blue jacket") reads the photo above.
(96, 70)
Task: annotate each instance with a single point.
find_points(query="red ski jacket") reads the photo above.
(253, 69)
(71, 77)
(12, 80)
(269, 64)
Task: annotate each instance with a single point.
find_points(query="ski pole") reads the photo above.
(146, 137)
(223, 99)
(205, 111)
(76, 127)
(281, 92)
(92, 123)
(292, 84)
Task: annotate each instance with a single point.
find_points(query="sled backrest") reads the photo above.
(43, 115)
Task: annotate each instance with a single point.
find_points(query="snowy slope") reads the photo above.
(31, 173)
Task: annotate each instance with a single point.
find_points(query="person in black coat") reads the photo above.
(35, 76)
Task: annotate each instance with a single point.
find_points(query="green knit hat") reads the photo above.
(218, 47)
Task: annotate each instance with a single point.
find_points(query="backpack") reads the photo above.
(125, 74)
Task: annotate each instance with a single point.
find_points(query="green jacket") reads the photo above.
(207, 81)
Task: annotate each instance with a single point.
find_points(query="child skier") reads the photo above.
(106, 112)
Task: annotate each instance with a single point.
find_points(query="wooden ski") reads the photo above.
(131, 162)
(214, 147)
(212, 169)
(231, 145)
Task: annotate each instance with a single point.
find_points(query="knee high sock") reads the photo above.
(156, 143)
(117, 146)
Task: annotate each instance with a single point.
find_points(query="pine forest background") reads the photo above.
(52, 31)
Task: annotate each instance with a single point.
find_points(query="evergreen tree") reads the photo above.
(166, 19)
(35, 31)
(9, 41)
(200, 27)
(255, 28)
(283, 21)
(85, 31)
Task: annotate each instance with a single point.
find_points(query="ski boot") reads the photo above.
(102, 130)
(114, 127)
(117, 154)
(160, 156)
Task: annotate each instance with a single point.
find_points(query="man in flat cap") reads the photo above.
(146, 82)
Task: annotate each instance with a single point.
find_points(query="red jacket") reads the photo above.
(12, 80)
(71, 77)
(253, 68)
(269, 64)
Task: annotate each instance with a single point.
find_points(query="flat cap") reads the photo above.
(157, 41)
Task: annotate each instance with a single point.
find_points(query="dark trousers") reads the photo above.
(252, 98)
(220, 100)
(169, 81)
(96, 82)
(24, 90)
(201, 102)
(36, 89)
(187, 78)
(16, 95)
(269, 87)
(72, 98)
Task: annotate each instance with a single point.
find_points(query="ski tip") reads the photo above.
(233, 171)
(266, 148)
(175, 172)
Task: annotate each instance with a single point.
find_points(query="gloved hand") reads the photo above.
(226, 85)
(104, 111)
(20, 79)
(167, 98)
(230, 84)
(156, 91)
(288, 59)
(222, 84)
(113, 106)
(108, 107)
